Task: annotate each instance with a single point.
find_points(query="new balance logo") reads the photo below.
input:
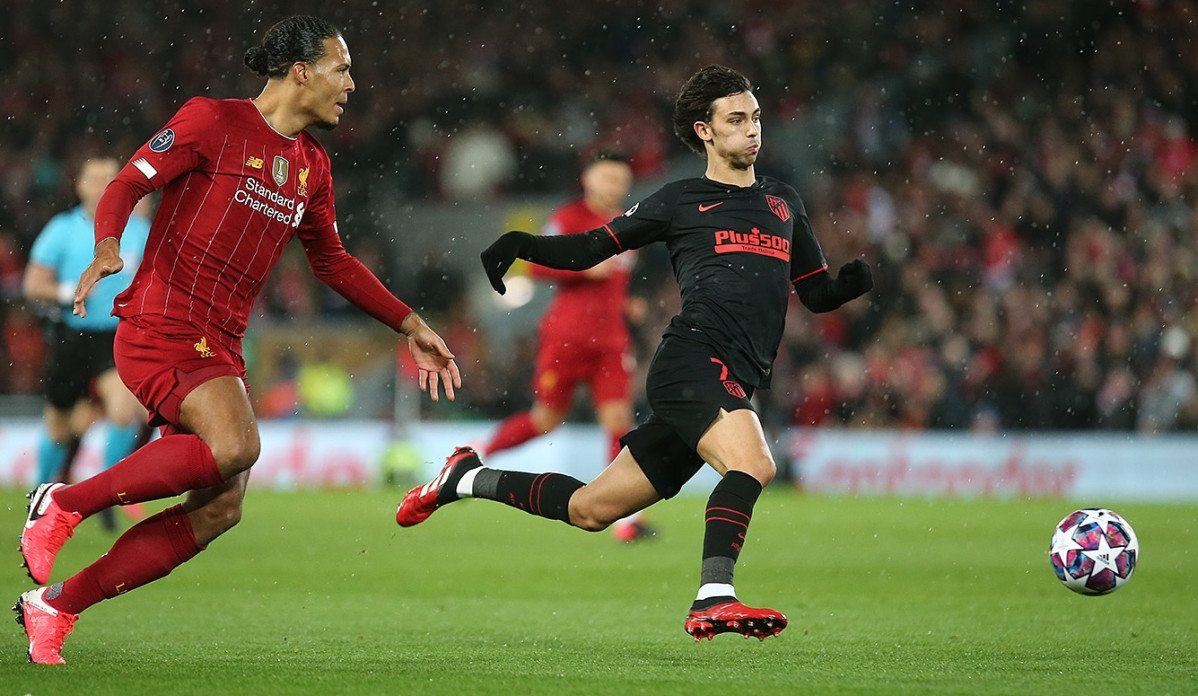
(703, 208)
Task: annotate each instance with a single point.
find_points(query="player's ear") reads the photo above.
(299, 70)
(703, 130)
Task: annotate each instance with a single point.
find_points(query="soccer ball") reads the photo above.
(1094, 551)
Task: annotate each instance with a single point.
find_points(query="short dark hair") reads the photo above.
(295, 39)
(698, 94)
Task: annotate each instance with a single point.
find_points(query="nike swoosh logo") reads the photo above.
(705, 208)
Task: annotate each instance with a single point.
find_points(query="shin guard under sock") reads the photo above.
(729, 511)
(149, 550)
(547, 495)
(165, 467)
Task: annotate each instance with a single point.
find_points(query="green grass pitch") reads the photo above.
(321, 593)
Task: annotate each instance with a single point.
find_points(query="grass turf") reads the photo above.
(320, 592)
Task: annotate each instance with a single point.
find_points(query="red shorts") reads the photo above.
(562, 367)
(162, 360)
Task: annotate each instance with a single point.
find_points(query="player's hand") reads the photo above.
(500, 256)
(434, 362)
(107, 262)
(854, 279)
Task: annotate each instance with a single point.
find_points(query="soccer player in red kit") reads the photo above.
(240, 178)
(584, 338)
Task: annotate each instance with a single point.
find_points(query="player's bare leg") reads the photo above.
(735, 446)
(214, 511)
(615, 418)
(620, 490)
(219, 412)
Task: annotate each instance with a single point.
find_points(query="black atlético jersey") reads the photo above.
(735, 251)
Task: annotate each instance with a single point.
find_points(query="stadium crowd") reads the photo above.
(1020, 175)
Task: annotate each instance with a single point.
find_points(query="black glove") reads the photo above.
(854, 280)
(500, 256)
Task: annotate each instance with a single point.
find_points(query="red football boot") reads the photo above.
(734, 617)
(47, 528)
(422, 501)
(46, 627)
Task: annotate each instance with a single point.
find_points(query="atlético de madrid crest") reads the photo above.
(778, 205)
(279, 169)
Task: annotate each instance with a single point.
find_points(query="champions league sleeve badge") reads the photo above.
(163, 141)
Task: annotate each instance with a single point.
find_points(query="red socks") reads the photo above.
(166, 467)
(514, 430)
(149, 550)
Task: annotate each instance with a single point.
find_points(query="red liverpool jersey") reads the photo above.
(584, 309)
(235, 191)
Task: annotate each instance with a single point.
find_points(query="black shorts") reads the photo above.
(75, 359)
(687, 387)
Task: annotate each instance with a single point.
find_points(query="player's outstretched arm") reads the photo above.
(107, 261)
(500, 256)
(434, 362)
(823, 293)
(572, 252)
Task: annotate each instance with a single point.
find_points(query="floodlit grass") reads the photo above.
(321, 593)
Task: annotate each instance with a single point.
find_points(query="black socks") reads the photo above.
(729, 510)
(547, 495)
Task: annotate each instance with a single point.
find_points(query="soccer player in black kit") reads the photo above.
(737, 242)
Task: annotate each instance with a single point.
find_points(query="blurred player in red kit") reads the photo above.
(239, 179)
(584, 338)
